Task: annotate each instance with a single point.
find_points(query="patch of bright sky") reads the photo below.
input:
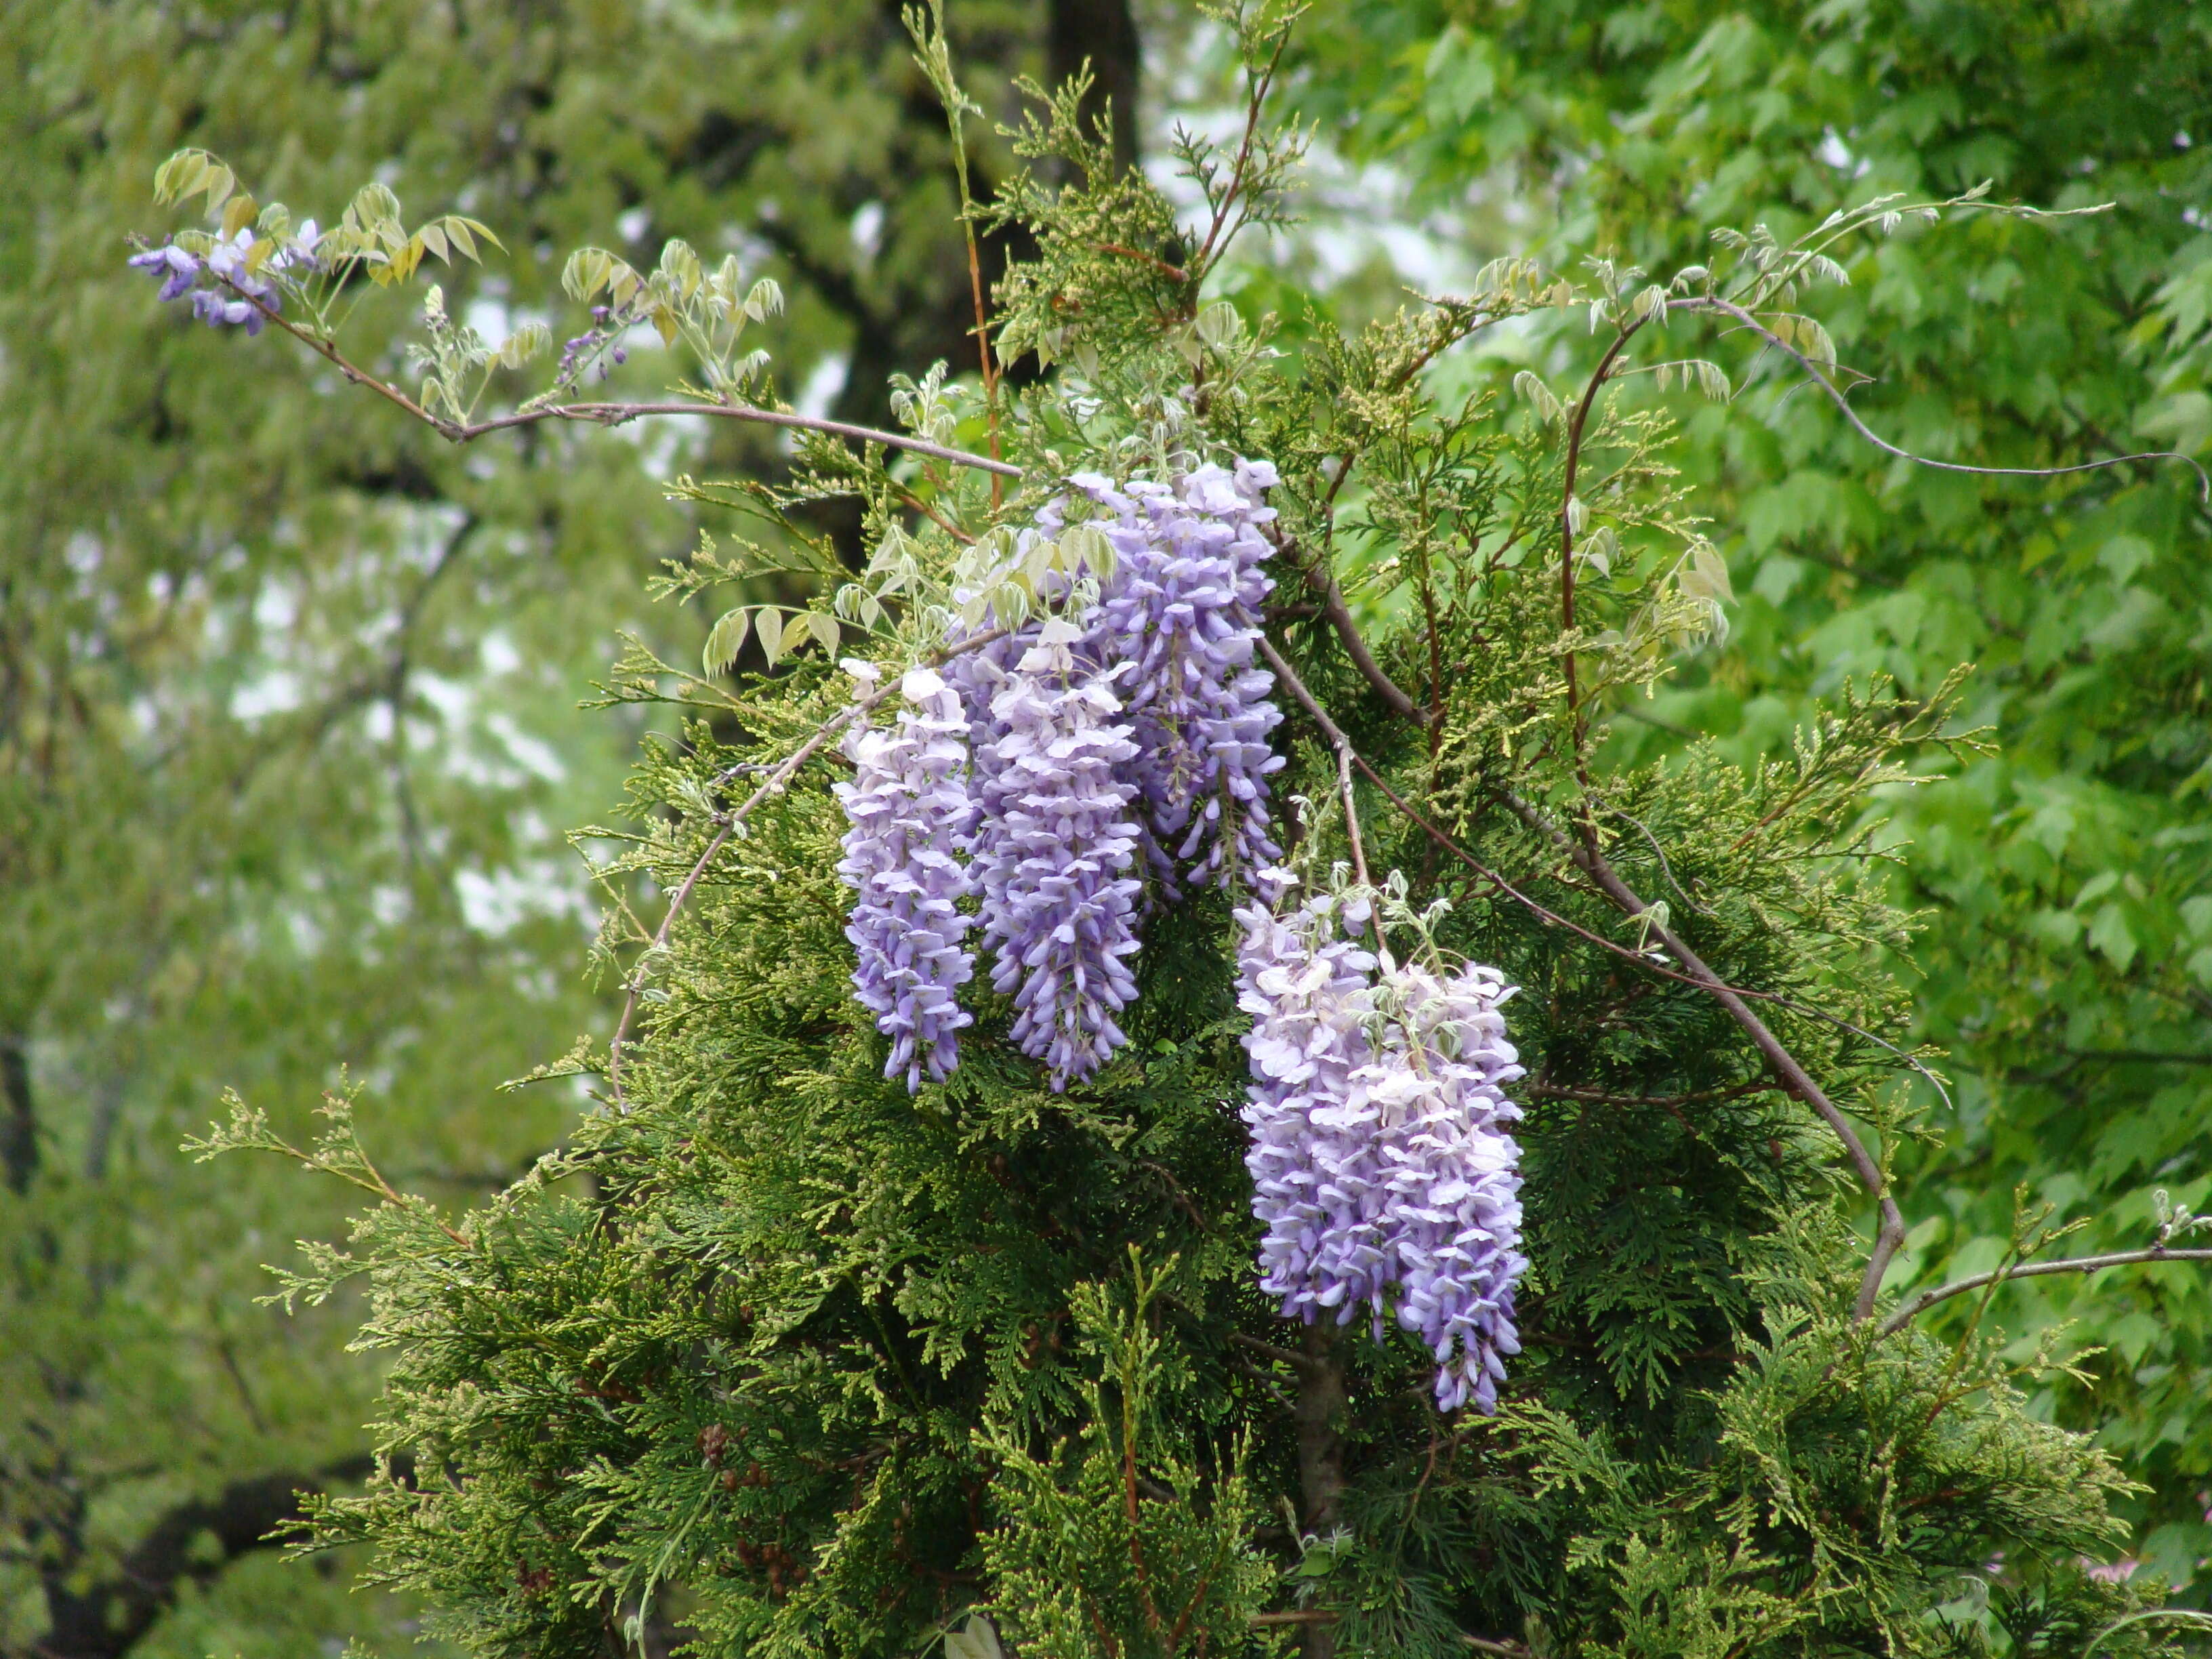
(497, 901)
(823, 383)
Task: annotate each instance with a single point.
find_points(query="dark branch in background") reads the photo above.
(1100, 35)
(2084, 1264)
(19, 1122)
(106, 1617)
(1319, 1414)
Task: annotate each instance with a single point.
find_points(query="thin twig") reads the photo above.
(1575, 429)
(774, 785)
(1661, 1103)
(1660, 853)
(1819, 375)
(1257, 83)
(1329, 1616)
(1337, 740)
(616, 414)
(2084, 1264)
(1317, 577)
(1291, 1357)
(911, 500)
(1174, 273)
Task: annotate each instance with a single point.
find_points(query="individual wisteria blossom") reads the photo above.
(1054, 845)
(1182, 607)
(1382, 1170)
(177, 270)
(911, 817)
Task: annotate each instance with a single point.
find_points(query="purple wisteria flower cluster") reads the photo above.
(234, 285)
(1052, 852)
(1382, 1168)
(1182, 609)
(911, 818)
(1134, 719)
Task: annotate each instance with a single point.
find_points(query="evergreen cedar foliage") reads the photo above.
(783, 1357)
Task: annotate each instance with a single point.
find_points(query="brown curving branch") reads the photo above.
(1317, 575)
(2082, 1264)
(1889, 1236)
(1334, 736)
(1819, 373)
(1575, 426)
(106, 1617)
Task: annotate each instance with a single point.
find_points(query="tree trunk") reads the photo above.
(105, 1619)
(1103, 33)
(1319, 1418)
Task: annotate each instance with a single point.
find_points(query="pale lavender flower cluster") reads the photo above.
(1315, 1179)
(911, 817)
(1183, 608)
(1382, 1168)
(1451, 1168)
(1139, 721)
(1054, 847)
(228, 301)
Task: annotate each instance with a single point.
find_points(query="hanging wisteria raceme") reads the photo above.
(1317, 1185)
(1182, 607)
(1138, 720)
(1383, 1173)
(911, 818)
(1054, 845)
(1451, 1170)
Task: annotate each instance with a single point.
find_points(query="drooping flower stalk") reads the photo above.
(1053, 846)
(911, 817)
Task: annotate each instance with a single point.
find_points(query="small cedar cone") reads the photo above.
(713, 1439)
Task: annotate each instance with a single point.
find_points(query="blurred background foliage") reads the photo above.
(289, 733)
(2066, 963)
